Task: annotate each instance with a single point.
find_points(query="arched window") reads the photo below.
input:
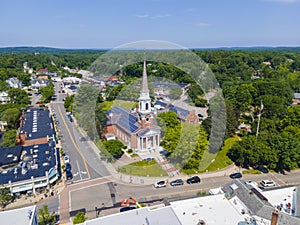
(147, 106)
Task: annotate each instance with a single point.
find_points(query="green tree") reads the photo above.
(9, 138)
(5, 196)
(11, 116)
(47, 92)
(18, 96)
(79, 218)
(68, 104)
(114, 147)
(45, 217)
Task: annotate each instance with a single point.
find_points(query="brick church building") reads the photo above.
(137, 129)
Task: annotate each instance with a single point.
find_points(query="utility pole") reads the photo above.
(259, 116)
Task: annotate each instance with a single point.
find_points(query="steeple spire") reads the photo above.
(145, 79)
(144, 99)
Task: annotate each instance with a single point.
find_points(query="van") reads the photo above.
(268, 183)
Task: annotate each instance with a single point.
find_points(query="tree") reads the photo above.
(18, 96)
(68, 104)
(44, 217)
(79, 218)
(9, 138)
(114, 147)
(11, 116)
(5, 196)
(47, 92)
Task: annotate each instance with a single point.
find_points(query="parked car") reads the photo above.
(250, 182)
(160, 184)
(38, 103)
(68, 167)
(176, 182)
(66, 159)
(69, 175)
(193, 180)
(268, 183)
(235, 175)
(127, 208)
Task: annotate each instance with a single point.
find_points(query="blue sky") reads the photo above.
(109, 23)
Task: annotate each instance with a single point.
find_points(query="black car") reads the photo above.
(176, 182)
(193, 180)
(127, 208)
(69, 175)
(235, 175)
(68, 167)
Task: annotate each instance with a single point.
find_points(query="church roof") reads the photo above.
(149, 131)
(124, 119)
(181, 112)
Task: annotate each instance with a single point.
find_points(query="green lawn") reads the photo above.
(220, 160)
(143, 169)
(124, 104)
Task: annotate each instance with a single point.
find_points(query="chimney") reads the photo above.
(274, 217)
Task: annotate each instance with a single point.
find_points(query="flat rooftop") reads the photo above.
(34, 161)
(37, 124)
(213, 210)
(147, 216)
(21, 216)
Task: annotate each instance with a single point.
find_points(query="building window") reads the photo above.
(147, 106)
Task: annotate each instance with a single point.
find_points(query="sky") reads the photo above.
(110, 23)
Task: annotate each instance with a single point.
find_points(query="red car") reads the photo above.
(38, 103)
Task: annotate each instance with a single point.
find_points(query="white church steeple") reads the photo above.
(144, 99)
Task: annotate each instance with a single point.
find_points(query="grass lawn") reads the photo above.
(143, 168)
(220, 160)
(124, 104)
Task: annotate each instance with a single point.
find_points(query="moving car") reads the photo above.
(176, 182)
(66, 159)
(160, 184)
(268, 183)
(193, 180)
(235, 175)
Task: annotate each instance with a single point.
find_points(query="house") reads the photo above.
(4, 98)
(43, 71)
(14, 82)
(296, 99)
(38, 83)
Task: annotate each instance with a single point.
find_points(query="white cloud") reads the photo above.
(202, 24)
(142, 16)
(146, 16)
(283, 1)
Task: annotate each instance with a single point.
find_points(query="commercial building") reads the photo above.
(21, 216)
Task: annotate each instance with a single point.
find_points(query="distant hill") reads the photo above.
(50, 49)
(44, 49)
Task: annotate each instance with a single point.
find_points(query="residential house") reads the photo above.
(38, 83)
(14, 82)
(4, 98)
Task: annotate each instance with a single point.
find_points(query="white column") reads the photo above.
(138, 143)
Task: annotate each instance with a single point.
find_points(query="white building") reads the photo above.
(21, 216)
(14, 82)
(4, 97)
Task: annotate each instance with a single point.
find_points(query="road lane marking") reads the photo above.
(75, 145)
(78, 169)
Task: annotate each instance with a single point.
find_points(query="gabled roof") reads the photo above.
(124, 119)
(181, 112)
(149, 131)
(296, 95)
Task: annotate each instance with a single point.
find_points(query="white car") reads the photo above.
(66, 159)
(268, 183)
(160, 184)
(252, 183)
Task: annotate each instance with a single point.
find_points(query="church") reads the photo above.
(137, 130)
